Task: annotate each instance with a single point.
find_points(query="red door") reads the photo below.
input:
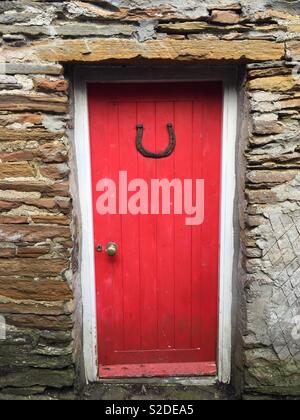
(157, 296)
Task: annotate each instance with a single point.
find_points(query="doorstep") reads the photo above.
(178, 389)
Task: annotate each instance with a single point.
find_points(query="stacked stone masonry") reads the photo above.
(39, 39)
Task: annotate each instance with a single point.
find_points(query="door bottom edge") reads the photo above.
(158, 370)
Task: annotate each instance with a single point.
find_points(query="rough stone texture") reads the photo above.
(36, 296)
(153, 391)
(39, 240)
(80, 50)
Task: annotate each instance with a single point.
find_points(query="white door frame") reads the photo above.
(228, 76)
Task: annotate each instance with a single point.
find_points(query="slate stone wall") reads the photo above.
(38, 232)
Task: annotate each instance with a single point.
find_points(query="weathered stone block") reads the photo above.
(275, 84)
(14, 220)
(9, 83)
(7, 252)
(47, 153)
(59, 171)
(13, 394)
(224, 5)
(38, 377)
(46, 85)
(290, 104)
(33, 267)
(262, 196)
(80, 30)
(293, 49)
(35, 361)
(139, 11)
(226, 17)
(51, 323)
(269, 72)
(254, 221)
(271, 177)
(32, 233)
(96, 50)
(50, 189)
(267, 127)
(55, 219)
(33, 68)
(49, 308)
(28, 134)
(197, 27)
(33, 102)
(253, 253)
(8, 205)
(55, 337)
(32, 251)
(30, 119)
(45, 290)
(16, 170)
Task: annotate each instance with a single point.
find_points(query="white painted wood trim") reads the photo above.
(227, 231)
(87, 267)
(83, 75)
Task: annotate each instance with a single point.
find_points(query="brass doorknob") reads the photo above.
(111, 249)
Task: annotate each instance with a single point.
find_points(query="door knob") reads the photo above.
(111, 249)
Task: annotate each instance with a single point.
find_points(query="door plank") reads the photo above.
(130, 231)
(148, 235)
(210, 229)
(183, 233)
(165, 234)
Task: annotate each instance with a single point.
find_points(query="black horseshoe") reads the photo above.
(169, 150)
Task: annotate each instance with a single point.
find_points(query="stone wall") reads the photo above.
(37, 230)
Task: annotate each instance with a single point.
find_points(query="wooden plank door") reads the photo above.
(157, 298)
